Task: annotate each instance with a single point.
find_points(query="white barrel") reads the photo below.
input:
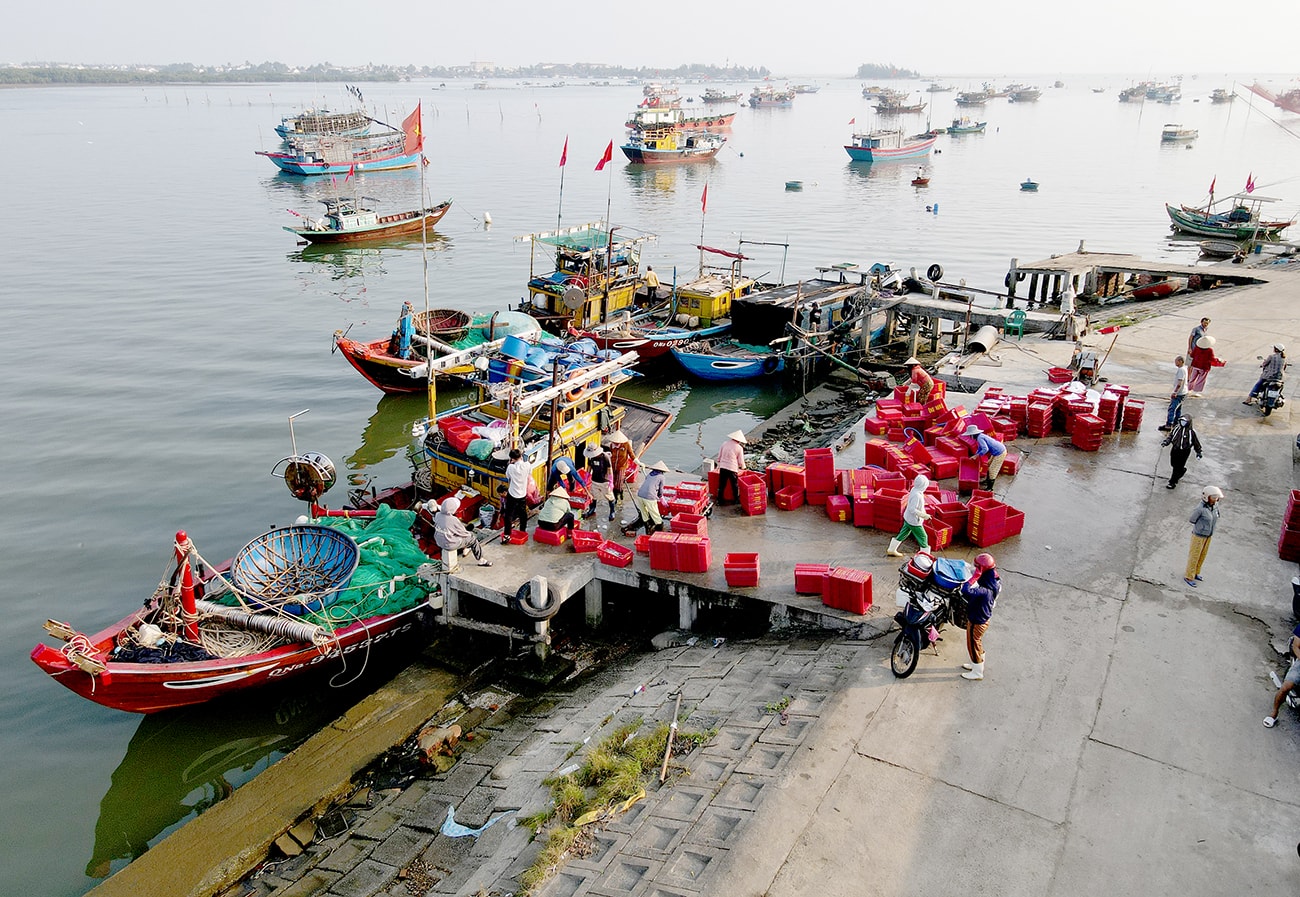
(984, 339)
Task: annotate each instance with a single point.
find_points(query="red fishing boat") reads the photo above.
(674, 117)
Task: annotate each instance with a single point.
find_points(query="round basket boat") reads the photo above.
(295, 569)
(446, 324)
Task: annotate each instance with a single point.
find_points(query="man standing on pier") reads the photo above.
(1177, 396)
(1197, 332)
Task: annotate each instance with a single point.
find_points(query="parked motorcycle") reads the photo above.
(929, 595)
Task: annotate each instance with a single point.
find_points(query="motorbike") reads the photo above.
(929, 597)
(1270, 396)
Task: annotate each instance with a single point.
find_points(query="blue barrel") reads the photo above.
(515, 348)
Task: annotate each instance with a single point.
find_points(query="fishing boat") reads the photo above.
(921, 180)
(323, 123)
(1024, 95)
(1241, 221)
(596, 275)
(713, 95)
(1029, 185)
(964, 125)
(346, 221)
(768, 97)
(655, 117)
(1135, 94)
(727, 360)
(972, 98)
(1178, 134)
(1099, 90)
(1221, 249)
(551, 408)
(887, 146)
(806, 88)
(1164, 93)
(1158, 289)
(936, 87)
(1288, 100)
(898, 106)
(396, 364)
(392, 149)
(657, 145)
(319, 596)
(1222, 95)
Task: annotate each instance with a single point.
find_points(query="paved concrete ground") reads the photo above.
(1116, 746)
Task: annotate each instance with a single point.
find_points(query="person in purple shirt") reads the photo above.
(987, 445)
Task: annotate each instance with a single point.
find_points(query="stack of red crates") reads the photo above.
(663, 553)
(784, 476)
(1288, 544)
(819, 470)
(741, 570)
(810, 579)
(1038, 419)
(1086, 431)
(1132, 418)
(848, 589)
(989, 521)
(1108, 410)
(753, 493)
(692, 554)
(887, 509)
(692, 524)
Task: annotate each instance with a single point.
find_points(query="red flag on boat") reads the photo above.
(564, 153)
(605, 159)
(352, 169)
(414, 132)
(1250, 182)
(853, 120)
(704, 200)
(1213, 181)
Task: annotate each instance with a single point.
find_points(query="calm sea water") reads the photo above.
(160, 329)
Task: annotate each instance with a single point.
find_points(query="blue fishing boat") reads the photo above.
(723, 360)
(317, 123)
(1029, 185)
(879, 146)
(341, 154)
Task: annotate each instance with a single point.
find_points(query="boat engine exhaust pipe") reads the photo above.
(984, 340)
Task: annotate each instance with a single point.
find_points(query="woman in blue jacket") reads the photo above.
(981, 593)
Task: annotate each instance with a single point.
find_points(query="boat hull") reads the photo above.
(155, 687)
(291, 163)
(404, 224)
(721, 122)
(387, 372)
(1200, 226)
(911, 151)
(649, 344)
(728, 367)
(641, 156)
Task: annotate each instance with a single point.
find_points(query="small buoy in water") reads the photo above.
(742, 155)
(936, 208)
(487, 219)
(927, 208)
(938, 151)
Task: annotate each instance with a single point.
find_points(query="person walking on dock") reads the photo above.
(598, 465)
(649, 496)
(731, 461)
(1203, 520)
(518, 473)
(981, 594)
(624, 463)
(1199, 362)
(914, 517)
(1183, 440)
(1290, 682)
(450, 533)
(1176, 397)
(921, 382)
(1197, 332)
(995, 450)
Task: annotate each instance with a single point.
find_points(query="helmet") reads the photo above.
(1278, 347)
(985, 561)
(1211, 492)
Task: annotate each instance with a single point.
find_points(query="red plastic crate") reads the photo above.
(1015, 521)
(817, 496)
(642, 544)
(1132, 419)
(692, 524)
(985, 512)
(944, 465)
(663, 553)
(939, 533)
(839, 508)
(549, 536)
(614, 555)
(1011, 464)
(809, 579)
(692, 554)
(864, 512)
(585, 541)
(518, 537)
(741, 569)
(874, 452)
(968, 474)
(875, 426)
(713, 481)
(789, 498)
(1292, 517)
(819, 463)
(848, 590)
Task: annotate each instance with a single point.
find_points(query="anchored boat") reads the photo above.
(321, 123)
(887, 146)
(1241, 221)
(347, 221)
(341, 154)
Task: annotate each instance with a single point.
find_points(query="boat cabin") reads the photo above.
(596, 274)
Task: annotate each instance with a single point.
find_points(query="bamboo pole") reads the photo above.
(672, 732)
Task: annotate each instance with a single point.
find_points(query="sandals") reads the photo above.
(1270, 722)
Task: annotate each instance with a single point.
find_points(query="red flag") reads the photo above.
(414, 132)
(704, 200)
(1213, 181)
(605, 159)
(352, 169)
(1112, 329)
(564, 153)
(1250, 182)
(853, 120)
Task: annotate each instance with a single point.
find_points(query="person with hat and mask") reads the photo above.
(995, 450)
(599, 466)
(450, 533)
(1270, 369)
(649, 496)
(556, 513)
(914, 517)
(1183, 439)
(1199, 362)
(1203, 520)
(921, 382)
(563, 473)
(731, 461)
(981, 594)
(623, 461)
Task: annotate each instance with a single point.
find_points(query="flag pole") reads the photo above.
(704, 210)
(564, 158)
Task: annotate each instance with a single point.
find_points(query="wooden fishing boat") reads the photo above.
(964, 125)
(1222, 95)
(973, 97)
(1029, 185)
(1175, 133)
(596, 275)
(1024, 95)
(769, 97)
(921, 180)
(887, 146)
(1288, 100)
(1221, 249)
(658, 145)
(889, 106)
(339, 154)
(674, 117)
(806, 88)
(1158, 289)
(346, 221)
(395, 364)
(726, 360)
(208, 632)
(1242, 221)
(713, 95)
(321, 123)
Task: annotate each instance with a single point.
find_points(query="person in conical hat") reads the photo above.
(921, 382)
(731, 461)
(649, 496)
(1199, 361)
(556, 512)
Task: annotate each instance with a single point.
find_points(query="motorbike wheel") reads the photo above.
(906, 652)
(1268, 409)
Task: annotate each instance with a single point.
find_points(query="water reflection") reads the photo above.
(355, 261)
(388, 431)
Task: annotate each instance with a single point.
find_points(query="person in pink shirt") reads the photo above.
(731, 461)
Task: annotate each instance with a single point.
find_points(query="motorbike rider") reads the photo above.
(981, 593)
(1270, 369)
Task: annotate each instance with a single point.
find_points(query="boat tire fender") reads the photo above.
(770, 364)
(524, 604)
(934, 272)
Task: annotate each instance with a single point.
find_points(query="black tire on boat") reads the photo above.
(934, 272)
(770, 364)
(523, 603)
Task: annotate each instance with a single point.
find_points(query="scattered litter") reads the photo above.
(636, 691)
(453, 829)
(717, 642)
(570, 769)
(1048, 547)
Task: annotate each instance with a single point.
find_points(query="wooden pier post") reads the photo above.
(913, 334)
(1012, 276)
(593, 602)
(1033, 289)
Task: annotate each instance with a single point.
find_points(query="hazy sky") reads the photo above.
(821, 37)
